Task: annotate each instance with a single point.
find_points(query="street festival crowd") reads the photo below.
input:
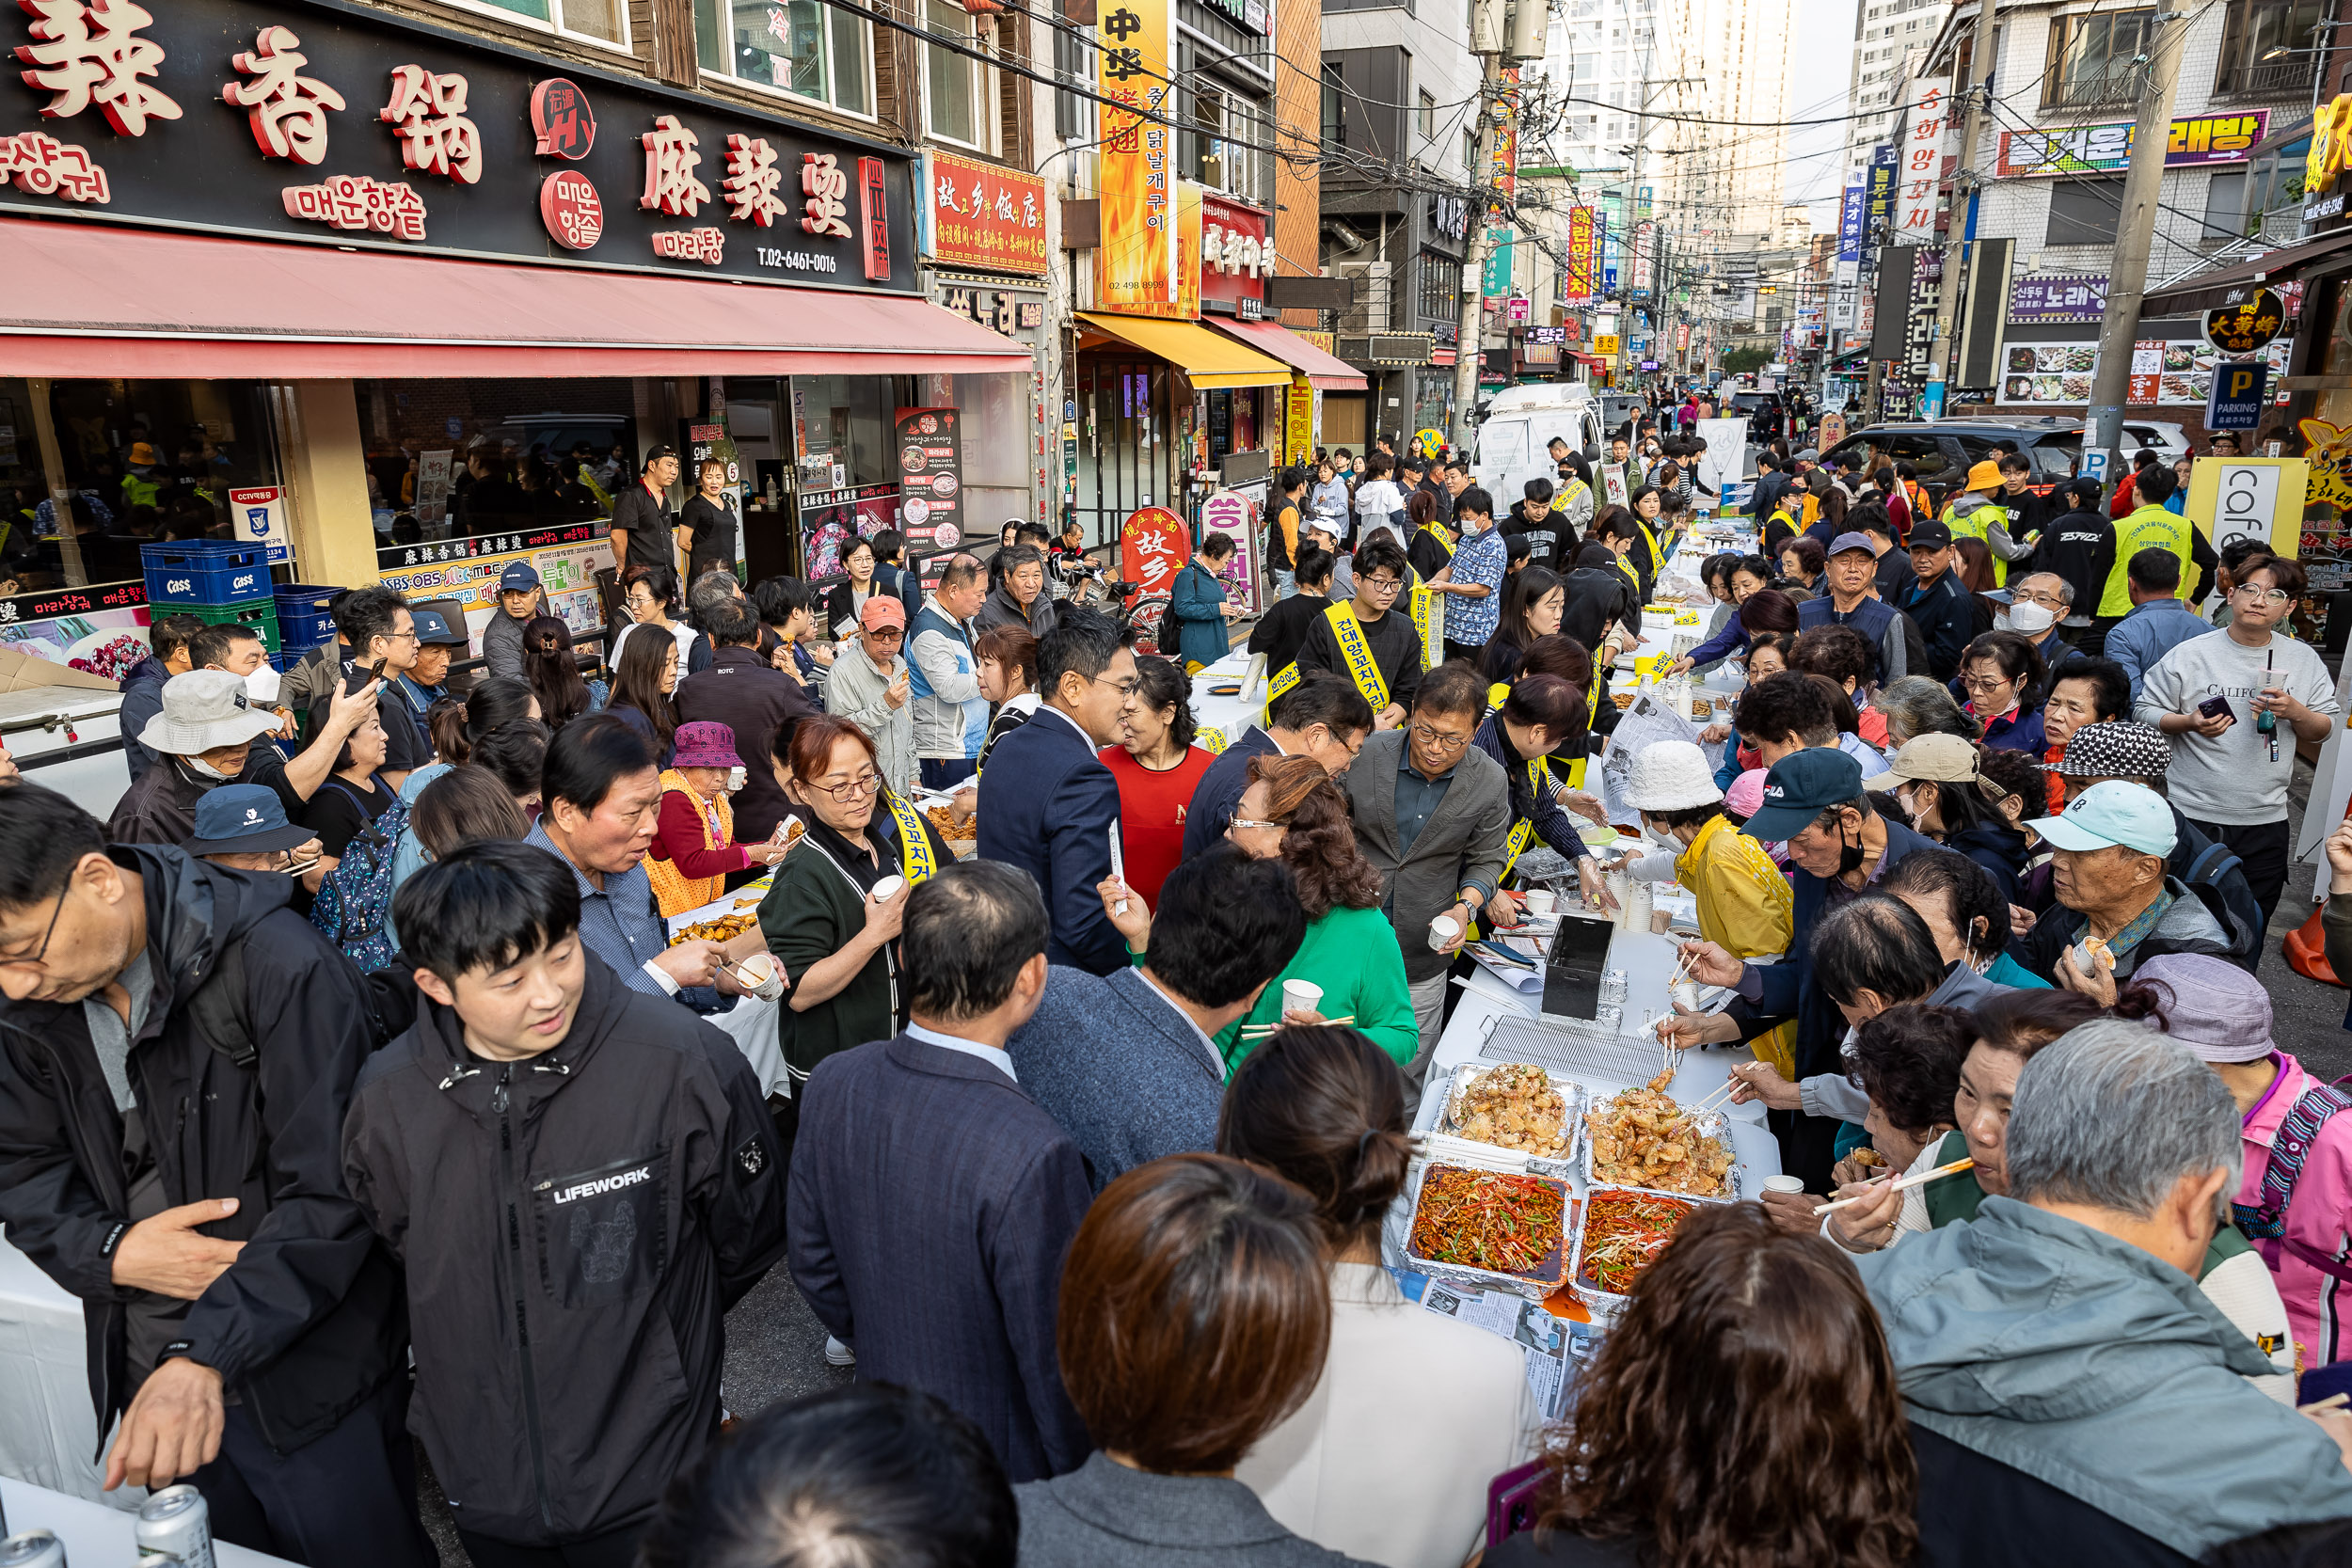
(351, 1075)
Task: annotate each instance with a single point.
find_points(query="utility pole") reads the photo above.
(1486, 43)
(2134, 237)
(1945, 354)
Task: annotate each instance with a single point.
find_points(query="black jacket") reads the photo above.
(307, 1324)
(757, 701)
(2080, 548)
(1596, 598)
(1946, 620)
(1974, 1510)
(573, 1226)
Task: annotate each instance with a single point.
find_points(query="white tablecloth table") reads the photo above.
(1220, 721)
(47, 1429)
(96, 1536)
(752, 1024)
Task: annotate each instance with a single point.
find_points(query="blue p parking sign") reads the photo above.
(2240, 390)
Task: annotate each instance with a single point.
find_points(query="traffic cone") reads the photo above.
(2306, 950)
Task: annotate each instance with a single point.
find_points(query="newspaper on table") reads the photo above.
(1556, 1349)
(1648, 722)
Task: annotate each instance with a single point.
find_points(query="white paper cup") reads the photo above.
(1540, 900)
(1442, 931)
(887, 889)
(762, 966)
(1684, 994)
(1301, 996)
(1784, 1184)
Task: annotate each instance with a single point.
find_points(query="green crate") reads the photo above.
(260, 614)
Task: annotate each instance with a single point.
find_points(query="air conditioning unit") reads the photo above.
(1371, 283)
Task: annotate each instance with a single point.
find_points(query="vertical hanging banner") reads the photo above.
(1495, 283)
(1645, 247)
(1927, 128)
(1878, 195)
(1583, 244)
(1136, 168)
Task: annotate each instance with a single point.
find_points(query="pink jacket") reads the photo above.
(2318, 1216)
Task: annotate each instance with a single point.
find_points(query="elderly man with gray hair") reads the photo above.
(2074, 1398)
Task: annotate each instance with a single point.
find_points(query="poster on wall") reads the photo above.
(100, 631)
(930, 470)
(433, 485)
(1235, 515)
(828, 517)
(567, 565)
(2173, 371)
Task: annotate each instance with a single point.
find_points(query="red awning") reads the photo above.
(98, 300)
(1594, 360)
(1322, 370)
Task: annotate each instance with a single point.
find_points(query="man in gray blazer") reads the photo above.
(930, 1201)
(1129, 1064)
(1433, 813)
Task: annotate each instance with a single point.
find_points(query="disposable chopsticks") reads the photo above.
(1900, 1184)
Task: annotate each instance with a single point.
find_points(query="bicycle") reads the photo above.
(1140, 611)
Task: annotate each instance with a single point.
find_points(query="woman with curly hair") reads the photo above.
(1743, 1412)
(1293, 813)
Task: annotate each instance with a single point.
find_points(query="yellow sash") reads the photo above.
(1538, 773)
(1438, 535)
(1283, 681)
(1361, 666)
(1426, 626)
(915, 844)
(1657, 557)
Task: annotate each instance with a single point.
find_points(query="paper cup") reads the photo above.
(762, 966)
(1684, 995)
(1784, 1184)
(888, 888)
(1301, 996)
(1540, 900)
(1659, 920)
(1442, 931)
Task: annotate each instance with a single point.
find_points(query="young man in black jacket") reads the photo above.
(580, 1180)
(177, 1050)
(1936, 603)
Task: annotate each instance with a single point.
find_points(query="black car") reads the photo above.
(1768, 421)
(1942, 451)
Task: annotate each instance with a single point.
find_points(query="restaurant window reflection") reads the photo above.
(469, 459)
(140, 462)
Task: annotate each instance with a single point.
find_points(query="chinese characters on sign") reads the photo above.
(1153, 545)
(2194, 142)
(826, 186)
(43, 165)
(673, 153)
(2248, 327)
(873, 213)
(90, 54)
(1236, 254)
(428, 114)
(353, 201)
(753, 176)
(2073, 297)
(1920, 174)
(1137, 264)
(287, 112)
(983, 216)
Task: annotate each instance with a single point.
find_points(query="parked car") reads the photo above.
(1942, 451)
(2166, 441)
(1768, 418)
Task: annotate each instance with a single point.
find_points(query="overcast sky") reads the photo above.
(1821, 38)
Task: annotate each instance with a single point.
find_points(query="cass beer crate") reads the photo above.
(303, 621)
(200, 572)
(260, 614)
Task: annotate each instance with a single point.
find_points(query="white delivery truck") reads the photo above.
(1515, 444)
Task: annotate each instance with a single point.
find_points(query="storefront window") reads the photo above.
(603, 20)
(465, 460)
(800, 46)
(147, 462)
(996, 446)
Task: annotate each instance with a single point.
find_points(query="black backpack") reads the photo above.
(2206, 879)
(1171, 636)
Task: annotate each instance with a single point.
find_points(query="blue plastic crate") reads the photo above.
(206, 572)
(302, 618)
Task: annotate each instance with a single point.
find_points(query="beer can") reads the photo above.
(175, 1524)
(35, 1549)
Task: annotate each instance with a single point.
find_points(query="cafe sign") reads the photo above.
(308, 121)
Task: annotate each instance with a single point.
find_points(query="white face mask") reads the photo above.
(2030, 619)
(203, 770)
(261, 686)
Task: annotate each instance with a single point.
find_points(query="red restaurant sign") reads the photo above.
(1153, 545)
(985, 216)
(1236, 257)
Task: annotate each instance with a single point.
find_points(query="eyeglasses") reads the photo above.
(1978, 684)
(1443, 742)
(885, 633)
(1125, 688)
(2264, 595)
(2048, 601)
(46, 936)
(1381, 585)
(1254, 822)
(409, 636)
(856, 789)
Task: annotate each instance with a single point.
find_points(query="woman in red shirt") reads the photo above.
(693, 841)
(1157, 767)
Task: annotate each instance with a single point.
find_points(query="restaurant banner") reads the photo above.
(323, 123)
(1187, 305)
(1298, 421)
(566, 558)
(1580, 284)
(2066, 298)
(1134, 169)
(2193, 143)
(1878, 194)
(931, 469)
(1153, 545)
(1235, 515)
(1927, 127)
(1236, 257)
(983, 215)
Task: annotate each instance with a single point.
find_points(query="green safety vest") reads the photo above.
(1975, 524)
(2149, 527)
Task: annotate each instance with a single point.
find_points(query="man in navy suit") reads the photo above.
(1129, 1065)
(932, 1202)
(1047, 804)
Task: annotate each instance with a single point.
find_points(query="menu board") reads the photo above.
(931, 469)
(2177, 371)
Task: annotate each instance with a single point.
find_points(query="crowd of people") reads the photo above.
(1102, 1052)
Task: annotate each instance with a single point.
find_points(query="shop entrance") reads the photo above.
(1123, 441)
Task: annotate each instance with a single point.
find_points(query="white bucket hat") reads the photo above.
(204, 710)
(1670, 775)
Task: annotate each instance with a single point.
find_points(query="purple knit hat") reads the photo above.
(706, 744)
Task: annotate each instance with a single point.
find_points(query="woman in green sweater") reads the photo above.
(1293, 811)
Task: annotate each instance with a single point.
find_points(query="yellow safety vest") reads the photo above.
(1975, 524)
(2148, 528)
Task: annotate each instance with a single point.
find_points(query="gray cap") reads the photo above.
(1808, 455)
(204, 710)
(1845, 542)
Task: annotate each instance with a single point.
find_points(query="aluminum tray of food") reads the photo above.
(1519, 1107)
(1496, 1230)
(1623, 1232)
(1644, 1137)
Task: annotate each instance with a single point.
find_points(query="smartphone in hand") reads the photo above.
(2216, 706)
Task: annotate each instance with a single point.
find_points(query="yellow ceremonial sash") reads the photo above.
(1538, 773)
(1438, 535)
(1657, 557)
(1361, 666)
(915, 844)
(1426, 626)
(1283, 681)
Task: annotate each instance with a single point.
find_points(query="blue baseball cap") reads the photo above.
(1799, 787)
(433, 629)
(2117, 812)
(518, 576)
(242, 819)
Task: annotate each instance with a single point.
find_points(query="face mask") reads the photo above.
(261, 686)
(202, 769)
(1849, 855)
(2030, 619)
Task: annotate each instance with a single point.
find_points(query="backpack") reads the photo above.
(2267, 1221)
(355, 904)
(2204, 877)
(221, 1013)
(1170, 639)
